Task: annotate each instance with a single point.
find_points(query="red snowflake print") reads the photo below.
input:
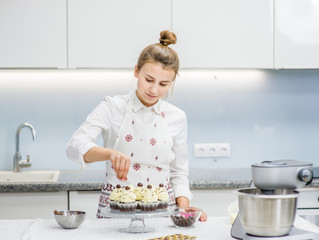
(132, 154)
(164, 142)
(155, 125)
(156, 157)
(136, 166)
(132, 122)
(159, 169)
(102, 199)
(148, 179)
(172, 198)
(141, 139)
(107, 200)
(128, 137)
(163, 114)
(108, 187)
(153, 141)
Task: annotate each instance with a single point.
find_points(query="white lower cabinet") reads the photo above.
(84, 201)
(308, 201)
(26, 205)
(213, 202)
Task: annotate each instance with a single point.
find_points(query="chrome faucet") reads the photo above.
(17, 162)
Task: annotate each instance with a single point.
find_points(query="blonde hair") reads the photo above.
(161, 53)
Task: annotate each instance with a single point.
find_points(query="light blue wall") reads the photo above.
(263, 114)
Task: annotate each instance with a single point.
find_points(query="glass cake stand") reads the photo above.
(137, 224)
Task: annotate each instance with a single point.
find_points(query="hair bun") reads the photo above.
(167, 38)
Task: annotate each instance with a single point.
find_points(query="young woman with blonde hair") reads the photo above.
(145, 137)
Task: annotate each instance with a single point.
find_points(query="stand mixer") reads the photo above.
(268, 208)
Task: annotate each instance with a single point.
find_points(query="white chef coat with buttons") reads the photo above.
(107, 118)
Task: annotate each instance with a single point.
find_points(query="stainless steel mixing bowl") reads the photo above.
(69, 219)
(267, 215)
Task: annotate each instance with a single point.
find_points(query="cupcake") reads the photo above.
(114, 197)
(132, 188)
(149, 200)
(139, 190)
(162, 196)
(127, 201)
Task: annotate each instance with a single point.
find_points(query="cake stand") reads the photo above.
(137, 224)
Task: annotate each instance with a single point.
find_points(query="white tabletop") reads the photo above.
(38, 229)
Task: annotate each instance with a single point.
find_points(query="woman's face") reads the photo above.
(153, 82)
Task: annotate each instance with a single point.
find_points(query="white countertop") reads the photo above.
(217, 228)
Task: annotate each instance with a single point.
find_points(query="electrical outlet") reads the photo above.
(200, 150)
(224, 149)
(212, 149)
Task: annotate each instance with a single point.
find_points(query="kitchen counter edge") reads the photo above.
(93, 180)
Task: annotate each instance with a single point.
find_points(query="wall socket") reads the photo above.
(212, 150)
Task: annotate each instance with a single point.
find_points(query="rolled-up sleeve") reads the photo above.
(85, 137)
(179, 166)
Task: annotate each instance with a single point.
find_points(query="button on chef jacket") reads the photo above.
(106, 119)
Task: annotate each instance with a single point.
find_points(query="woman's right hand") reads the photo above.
(120, 163)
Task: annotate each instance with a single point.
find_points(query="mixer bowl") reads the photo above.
(267, 215)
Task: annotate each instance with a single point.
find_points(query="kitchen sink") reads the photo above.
(40, 176)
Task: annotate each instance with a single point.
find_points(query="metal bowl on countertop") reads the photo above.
(69, 219)
(267, 215)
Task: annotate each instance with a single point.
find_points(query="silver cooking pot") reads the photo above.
(270, 175)
(267, 215)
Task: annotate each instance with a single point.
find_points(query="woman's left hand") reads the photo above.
(184, 202)
(203, 217)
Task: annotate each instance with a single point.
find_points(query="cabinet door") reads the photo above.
(85, 201)
(213, 202)
(33, 34)
(224, 34)
(26, 205)
(111, 34)
(308, 198)
(296, 34)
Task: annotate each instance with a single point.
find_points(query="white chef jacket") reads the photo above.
(106, 119)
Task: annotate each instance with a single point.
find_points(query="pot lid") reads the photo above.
(282, 163)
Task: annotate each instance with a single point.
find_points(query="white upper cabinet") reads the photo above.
(224, 34)
(296, 34)
(33, 34)
(111, 34)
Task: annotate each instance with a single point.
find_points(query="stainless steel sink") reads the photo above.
(40, 176)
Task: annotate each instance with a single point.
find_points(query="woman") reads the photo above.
(145, 138)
